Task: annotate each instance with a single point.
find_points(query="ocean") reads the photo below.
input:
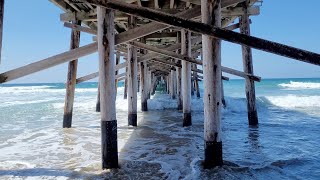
(285, 145)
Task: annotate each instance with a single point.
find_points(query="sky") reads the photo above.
(32, 33)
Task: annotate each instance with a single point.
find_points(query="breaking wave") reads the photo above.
(300, 85)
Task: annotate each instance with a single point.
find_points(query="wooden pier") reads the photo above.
(160, 40)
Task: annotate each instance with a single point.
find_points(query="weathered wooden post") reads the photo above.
(178, 72)
(125, 90)
(196, 82)
(172, 82)
(98, 99)
(192, 86)
(248, 67)
(132, 78)
(211, 14)
(117, 72)
(71, 79)
(223, 100)
(186, 77)
(143, 81)
(149, 84)
(168, 84)
(109, 144)
(1, 25)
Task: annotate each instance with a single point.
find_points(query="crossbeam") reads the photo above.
(192, 60)
(206, 29)
(48, 62)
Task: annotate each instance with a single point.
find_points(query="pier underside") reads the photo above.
(168, 44)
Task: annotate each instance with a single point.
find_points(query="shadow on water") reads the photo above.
(160, 148)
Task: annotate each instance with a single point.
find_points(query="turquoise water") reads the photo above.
(284, 146)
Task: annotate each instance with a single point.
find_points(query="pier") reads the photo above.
(175, 43)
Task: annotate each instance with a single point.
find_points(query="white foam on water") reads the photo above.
(300, 85)
(294, 101)
(16, 90)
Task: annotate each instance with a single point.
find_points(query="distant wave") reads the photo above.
(300, 85)
(294, 101)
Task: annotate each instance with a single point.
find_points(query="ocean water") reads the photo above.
(285, 145)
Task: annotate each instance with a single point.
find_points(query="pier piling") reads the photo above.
(132, 78)
(71, 79)
(211, 14)
(248, 67)
(109, 144)
(186, 77)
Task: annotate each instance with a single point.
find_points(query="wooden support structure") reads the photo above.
(143, 81)
(173, 83)
(71, 80)
(125, 90)
(178, 74)
(248, 68)
(211, 15)
(186, 77)
(98, 108)
(168, 84)
(1, 25)
(109, 144)
(117, 72)
(149, 84)
(216, 32)
(223, 100)
(192, 60)
(132, 79)
(48, 62)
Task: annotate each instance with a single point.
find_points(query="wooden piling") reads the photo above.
(248, 67)
(125, 90)
(186, 77)
(117, 72)
(192, 86)
(211, 14)
(178, 73)
(132, 78)
(196, 82)
(172, 82)
(167, 84)
(1, 25)
(71, 79)
(223, 100)
(109, 144)
(98, 99)
(143, 81)
(149, 84)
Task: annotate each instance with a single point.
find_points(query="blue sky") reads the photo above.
(34, 33)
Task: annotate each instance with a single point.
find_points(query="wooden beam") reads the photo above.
(211, 15)
(152, 27)
(238, 11)
(224, 3)
(109, 140)
(210, 30)
(71, 81)
(48, 62)
(80, 28)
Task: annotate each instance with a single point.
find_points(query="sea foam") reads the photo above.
(294, 101)
(300, 85)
